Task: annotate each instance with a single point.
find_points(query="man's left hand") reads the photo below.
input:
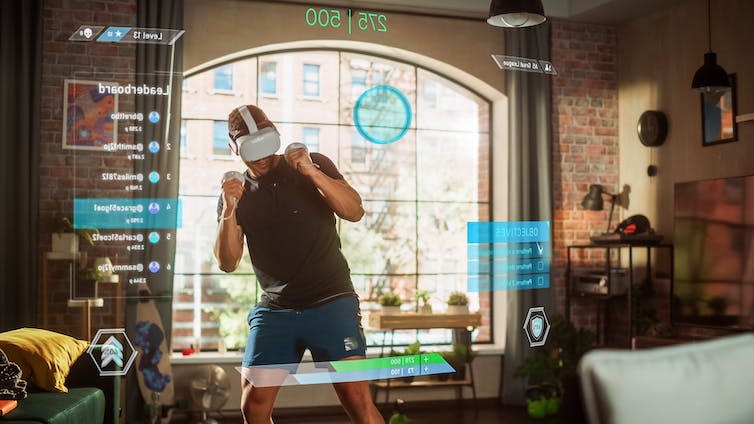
(300, 160)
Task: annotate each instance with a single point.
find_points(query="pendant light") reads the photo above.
(711, 77)
(516, 13)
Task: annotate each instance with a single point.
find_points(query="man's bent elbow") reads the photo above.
(354, 215)
(227, 268)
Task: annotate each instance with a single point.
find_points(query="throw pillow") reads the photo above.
(45, 357)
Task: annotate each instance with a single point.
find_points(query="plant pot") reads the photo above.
(391, 310)
(425, 309)
(553, 405)
(458, 309)
(65, 243)
(460, 373)
(536, 408)
(103, 265)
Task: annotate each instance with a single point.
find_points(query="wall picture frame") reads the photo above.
(88, 122)
(719, 116)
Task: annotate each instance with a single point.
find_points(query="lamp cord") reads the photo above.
(709, 28)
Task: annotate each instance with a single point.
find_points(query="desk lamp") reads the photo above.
(593, 201)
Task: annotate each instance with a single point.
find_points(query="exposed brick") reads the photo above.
(585, 113)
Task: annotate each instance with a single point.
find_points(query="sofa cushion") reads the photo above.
(45, 357)
(704, 382)
(78, 406)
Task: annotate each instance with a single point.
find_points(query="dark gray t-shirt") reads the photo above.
(291, 236)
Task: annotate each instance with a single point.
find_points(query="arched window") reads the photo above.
(422, 176)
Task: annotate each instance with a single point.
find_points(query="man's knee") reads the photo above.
(257, 403)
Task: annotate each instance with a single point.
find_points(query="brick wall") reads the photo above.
(585, 146)
(63, 170)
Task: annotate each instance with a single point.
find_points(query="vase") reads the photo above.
(65, 243)
(458, 309)
(391, 310)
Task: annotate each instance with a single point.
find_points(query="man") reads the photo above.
(284, 208)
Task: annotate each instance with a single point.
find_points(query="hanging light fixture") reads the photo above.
(711, 77)
(516, 13)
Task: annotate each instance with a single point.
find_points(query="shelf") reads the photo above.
(412, 320)
(109, 279)
(422, 383)
(61, 256)
(82, 303)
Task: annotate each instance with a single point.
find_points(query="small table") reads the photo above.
(608, 265)
(418, 321)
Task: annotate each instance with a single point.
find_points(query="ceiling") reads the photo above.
(598, 11)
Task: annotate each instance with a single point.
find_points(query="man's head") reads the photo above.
(254, 137)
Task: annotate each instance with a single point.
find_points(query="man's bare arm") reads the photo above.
(229, 242)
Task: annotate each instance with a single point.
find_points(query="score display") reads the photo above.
(346, 371)
(351, 20)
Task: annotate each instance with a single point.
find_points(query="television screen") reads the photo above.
(714, 252)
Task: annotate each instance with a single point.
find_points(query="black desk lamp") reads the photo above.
(593, 201)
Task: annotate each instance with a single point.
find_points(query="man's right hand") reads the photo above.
(232, 191)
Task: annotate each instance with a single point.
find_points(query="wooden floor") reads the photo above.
(488, 412)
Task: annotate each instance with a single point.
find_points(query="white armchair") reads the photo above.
(703, 382)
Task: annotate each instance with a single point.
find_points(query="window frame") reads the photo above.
(306, 81)
(217, 73)
(318, 81)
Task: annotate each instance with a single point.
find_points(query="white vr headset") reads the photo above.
(258, 144)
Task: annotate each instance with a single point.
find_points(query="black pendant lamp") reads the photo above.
(516, 13)
(711, 77)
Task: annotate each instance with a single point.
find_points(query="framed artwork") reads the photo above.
(87, 115)
(719, 116)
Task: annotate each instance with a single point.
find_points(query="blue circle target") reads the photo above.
(382, 114)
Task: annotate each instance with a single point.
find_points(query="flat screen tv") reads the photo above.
(714, 253)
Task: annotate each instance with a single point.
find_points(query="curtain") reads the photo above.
(20, 85)
(157, 65)
(530, 183)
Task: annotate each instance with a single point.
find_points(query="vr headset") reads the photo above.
(258, 144)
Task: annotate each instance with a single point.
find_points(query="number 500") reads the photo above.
(324, 17)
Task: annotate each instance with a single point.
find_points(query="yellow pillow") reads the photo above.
(45, 357)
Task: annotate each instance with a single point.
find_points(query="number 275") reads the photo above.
(367, 19)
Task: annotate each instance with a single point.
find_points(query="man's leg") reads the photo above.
(257, 402)
(356, 399)
(269, 357)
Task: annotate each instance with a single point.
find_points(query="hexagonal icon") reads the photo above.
(113, 351)
(536, 326)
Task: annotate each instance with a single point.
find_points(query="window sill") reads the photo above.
(312, 98)
(224, 92)
(272, 96)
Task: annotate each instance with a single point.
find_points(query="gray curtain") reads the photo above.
(155, 64)
(20, 84)
(530, 183)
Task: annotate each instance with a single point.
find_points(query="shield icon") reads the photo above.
(537, 327)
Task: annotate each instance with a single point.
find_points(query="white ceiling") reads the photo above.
(598, 11)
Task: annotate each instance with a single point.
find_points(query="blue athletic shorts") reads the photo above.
(331, 331)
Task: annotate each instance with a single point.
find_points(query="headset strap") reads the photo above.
(246, 115)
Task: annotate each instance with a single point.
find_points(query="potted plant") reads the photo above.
(458, 357)
(412, 349)
(458, 303)
(86, 282)
(422, 299)
(390, 303)
(551, 371)
(65, 238)
(542, 394)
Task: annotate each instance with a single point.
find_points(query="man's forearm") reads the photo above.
(229, 244)
(342, 198)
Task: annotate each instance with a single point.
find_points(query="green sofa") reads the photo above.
(91, 399)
